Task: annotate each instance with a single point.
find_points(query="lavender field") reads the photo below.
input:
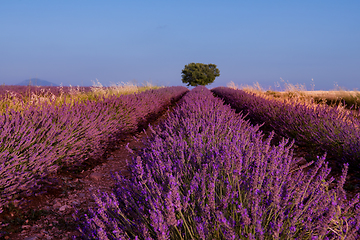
(19, 98)
(43, 138)
(334, 130)
(207, 171)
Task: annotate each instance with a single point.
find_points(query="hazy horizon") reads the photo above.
(76, 42)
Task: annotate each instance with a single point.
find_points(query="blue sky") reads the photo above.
(75, 42)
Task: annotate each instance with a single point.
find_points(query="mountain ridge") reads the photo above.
(36, 82)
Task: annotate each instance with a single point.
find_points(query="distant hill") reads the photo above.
(36, 82)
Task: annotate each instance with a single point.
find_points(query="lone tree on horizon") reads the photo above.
(195, 74)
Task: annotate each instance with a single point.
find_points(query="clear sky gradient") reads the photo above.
(75, 42)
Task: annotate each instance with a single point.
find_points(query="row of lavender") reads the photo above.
(206, 173)
(37, 142)
(329, 129)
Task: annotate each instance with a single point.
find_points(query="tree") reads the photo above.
(195, 74)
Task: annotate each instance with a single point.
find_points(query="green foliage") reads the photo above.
(195, 74)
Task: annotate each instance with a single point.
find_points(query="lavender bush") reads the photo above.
(206, 173)
(330, 129)
(36, 142)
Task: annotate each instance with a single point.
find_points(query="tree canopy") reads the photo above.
(195, 74)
